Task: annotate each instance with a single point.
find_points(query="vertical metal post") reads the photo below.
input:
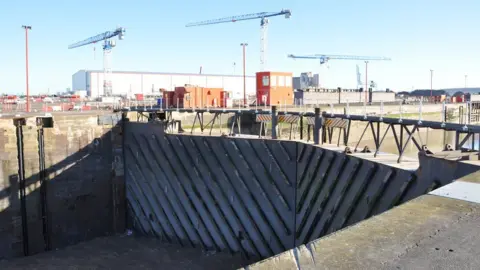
(244, 76)
(26, 27)
(431, 85)
(317, 127)
(19, 123)
(366, 83)
(274, 122)
(301, 127)
(43, 122)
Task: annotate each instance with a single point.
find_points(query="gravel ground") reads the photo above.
(126, 252)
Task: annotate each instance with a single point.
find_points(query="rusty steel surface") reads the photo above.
(259, 197)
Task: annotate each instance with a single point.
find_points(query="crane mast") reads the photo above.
(264, 21)
(108, 45)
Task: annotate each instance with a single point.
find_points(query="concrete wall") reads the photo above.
(308, 98)
(84, 186)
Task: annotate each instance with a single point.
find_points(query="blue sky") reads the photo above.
(418, 35)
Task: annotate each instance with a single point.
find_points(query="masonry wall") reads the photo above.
(83, 188)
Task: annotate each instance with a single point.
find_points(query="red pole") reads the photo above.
(244, 77)
(26, 64)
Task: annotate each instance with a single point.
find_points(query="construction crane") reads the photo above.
(107, 49)
(324, 58)
(264, 21)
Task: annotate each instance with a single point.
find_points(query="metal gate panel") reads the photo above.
(258, 197)
(218, 193)
(336, 190)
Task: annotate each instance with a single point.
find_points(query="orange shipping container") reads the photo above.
(274, 88)
(198, 97)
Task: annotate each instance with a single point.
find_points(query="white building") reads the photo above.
(130, 83)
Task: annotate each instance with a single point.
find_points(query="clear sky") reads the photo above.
(418, 35)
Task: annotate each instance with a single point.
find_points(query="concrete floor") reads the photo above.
(126, 252)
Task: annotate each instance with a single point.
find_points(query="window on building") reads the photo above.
(266, 81)
(273, 81)
(288, 81)
(281, 82)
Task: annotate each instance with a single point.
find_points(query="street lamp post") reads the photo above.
(366, 82)
(431, 84)
(26, 27)
(466, 81)
(244, 76)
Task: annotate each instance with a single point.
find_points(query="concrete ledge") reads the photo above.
(430, 231)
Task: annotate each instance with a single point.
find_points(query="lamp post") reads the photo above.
(466, 81)
(26, 27)
(244, 77)
(431, 84)
(366, 83)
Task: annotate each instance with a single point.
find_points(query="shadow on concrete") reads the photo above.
(83, 198)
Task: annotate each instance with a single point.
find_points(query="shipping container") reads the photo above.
(199, 97)
(274, 88)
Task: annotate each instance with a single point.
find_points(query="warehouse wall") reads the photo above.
(333, 97)
(125, 83)
(79, 80)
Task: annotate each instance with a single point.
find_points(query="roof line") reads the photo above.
(167, 73)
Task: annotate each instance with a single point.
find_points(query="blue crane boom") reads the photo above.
(326, 57)
(107, 47)
(263, 16)
(245, 17)
(120, 32)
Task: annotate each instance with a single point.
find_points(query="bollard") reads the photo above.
(274, 122)
(317, 127)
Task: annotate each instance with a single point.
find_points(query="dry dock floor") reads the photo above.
(125, 252)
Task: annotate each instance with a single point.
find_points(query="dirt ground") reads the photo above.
(126, 252)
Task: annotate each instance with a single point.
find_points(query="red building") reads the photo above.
(274, 88)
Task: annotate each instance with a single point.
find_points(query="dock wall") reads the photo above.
(83, 190)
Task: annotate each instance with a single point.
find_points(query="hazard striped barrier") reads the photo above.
(290, 119)
(263, 118)
(336, 123)
(310, 120)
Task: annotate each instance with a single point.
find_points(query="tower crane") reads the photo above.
(264, 21)
(107, 49)
(324, 58)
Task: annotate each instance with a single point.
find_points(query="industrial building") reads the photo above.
(129, 83)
